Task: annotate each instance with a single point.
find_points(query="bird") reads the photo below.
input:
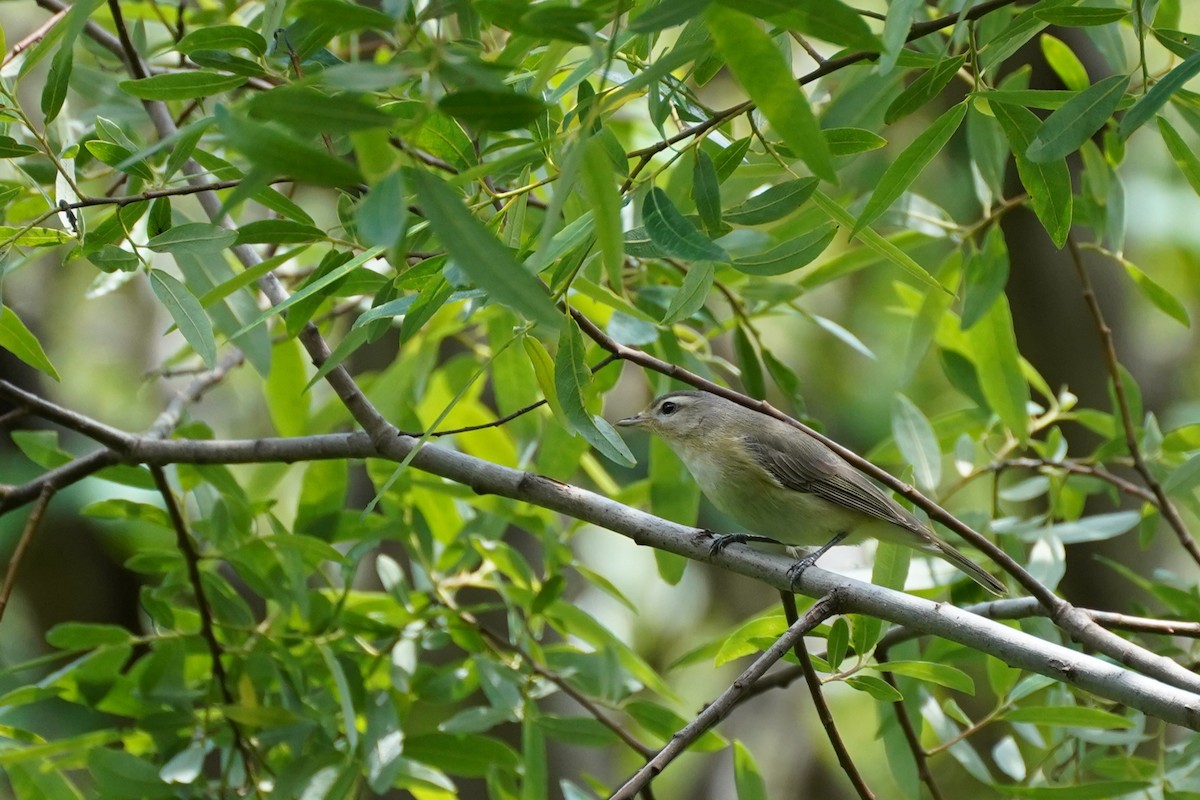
(783, 485)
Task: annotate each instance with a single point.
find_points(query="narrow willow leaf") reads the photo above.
(1062, 59)
(848, 141)
(1064, 131)
(924, 89)
(773, 203)
(667, 14)
(223, 37)
(492, 109)
(908, 165)
(895, 31)
(672, 232)
(1069, 716)
(275, 150)
(1166, 302)
(1184, 157)
(383, 214)
(876, 243)
(1159, 94)
(931, 672)
(791, 255)
(917, 442)
(706, 192)
(20, 341)
(478, 253)
(189, 316)
(193, 237)
(984, 277)
(748, 363)
(54, 92)
(182, 85)
(1080, 17)
(765, 75)
(605, 203)
(571, 379)
(748, 780)
(691, 295)
(1048, 183)
(998, 367)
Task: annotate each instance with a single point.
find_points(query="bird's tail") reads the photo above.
(973, 570)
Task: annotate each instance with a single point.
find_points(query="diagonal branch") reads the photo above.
(828, 605)
(27, 533)
(823, 712)
(1128, 424)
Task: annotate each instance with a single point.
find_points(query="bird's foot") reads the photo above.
(721, 541)
(796, 570)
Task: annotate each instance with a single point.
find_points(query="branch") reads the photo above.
(1107, 344)
(823, 713)
(1076, 623)
(1158, 698)
(207, 631)
(829, 604)
(910, 735)
(18, 554)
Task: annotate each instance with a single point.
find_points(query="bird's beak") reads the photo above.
(628, 422)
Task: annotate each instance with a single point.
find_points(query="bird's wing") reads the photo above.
(802, 463)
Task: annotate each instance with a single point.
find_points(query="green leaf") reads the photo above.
(789, 256)
(383, 214)
(878, 688)
(1159, 94)
(114, 154)
(187, 312)
(34, 237)
(837, 642)
(1065, 131)
(749, 367)
(478, 253)
(766, 76)
(1048, 183)
(223, 37)
(672, 232)
(54, 92)
(11, 148)
(277, 231)
(492, 110)
(984, 277)
(18, 340)
(1080, 17)
(194, 238)
(917, 442)
(1070, 717)
(667, 14)
(849, 141)
(86, 635)
(773, 203)
(1164, 300)
(182, 85)
(924, 89)
(274, 150)
(998, 365)
(1065, 63)
(571, 380)
(900, 174)
(875, 242)
(307, 109)
(747, 779)
(706, 192)
(691, 295)
(605, 202)
(1184, 157)
(931, 672)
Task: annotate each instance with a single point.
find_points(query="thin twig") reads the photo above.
(207, 630)
(910, 733)
(823, 713)
(1129, 425)
(27, 534)
(33, 38)
(1079, 468)
(719, 708)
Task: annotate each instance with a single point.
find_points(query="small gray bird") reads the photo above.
(783, 484)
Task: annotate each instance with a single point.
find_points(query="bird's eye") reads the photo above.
(668, 408)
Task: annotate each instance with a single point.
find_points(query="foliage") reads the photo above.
(482, 206)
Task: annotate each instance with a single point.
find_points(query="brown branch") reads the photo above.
(910, 733)
(823, 713)
(1108, 345)
(33, 38)
(207, 630)
(18, 554)
(821, 610)
(1079, 468)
